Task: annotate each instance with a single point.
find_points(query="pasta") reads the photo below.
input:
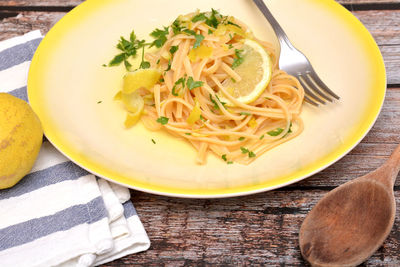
(197, 61)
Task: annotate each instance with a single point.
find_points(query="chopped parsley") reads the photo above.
(278, 131)
(188, 133)
(173, 49)
(176, 27)
(144, 64)
(232, 23)
(242, 138)
(261, 137)
(152, 140)
(246, 151)
(202, 118)
(199, 17)
(163, 120)
(129, 49)
(210, 31)
(245, 113)
(199, 38)
(161, 37)
(215, 101)
(229, 162)
(181, 81)
(191, 84)
(169, 65)
(99, 102)
(238, 60)
(224, 157)
(275, 132)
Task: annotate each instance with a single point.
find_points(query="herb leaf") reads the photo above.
(241, 138)
(244, 150)
(276, 132)
(181, 81)
(224, 157)
(161, 37)
(199, 38)
(191, 84)
(128, 49)
(238, 60)
(251, 154)
(163, 120)
(245, 113)
(215, 102)
(117, 60)
(199, 17)
(173, 49)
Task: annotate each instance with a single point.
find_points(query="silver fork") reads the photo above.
(295, 63)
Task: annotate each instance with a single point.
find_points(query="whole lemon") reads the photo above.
(21, 136)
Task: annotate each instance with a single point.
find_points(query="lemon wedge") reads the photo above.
(255, 71)
(146, 78)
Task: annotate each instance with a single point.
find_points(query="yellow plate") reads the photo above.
(67, 80)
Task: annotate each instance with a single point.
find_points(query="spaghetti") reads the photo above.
(198, 58)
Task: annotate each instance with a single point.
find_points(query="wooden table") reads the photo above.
(260, 229)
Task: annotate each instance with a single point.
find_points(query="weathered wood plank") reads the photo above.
(76, 2)
(253, 230)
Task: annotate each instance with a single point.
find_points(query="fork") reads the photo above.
(296, 64)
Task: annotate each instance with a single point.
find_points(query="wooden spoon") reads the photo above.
(351, 222)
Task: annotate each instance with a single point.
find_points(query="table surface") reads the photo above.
(261, 229)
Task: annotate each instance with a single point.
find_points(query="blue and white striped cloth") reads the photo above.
(59, 214)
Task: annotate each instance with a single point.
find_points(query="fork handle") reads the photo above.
(282, 37)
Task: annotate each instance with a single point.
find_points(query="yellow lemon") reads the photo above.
(255, 72)
(21, 136)
(146, 78)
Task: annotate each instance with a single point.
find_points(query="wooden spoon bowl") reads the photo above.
(352, 221)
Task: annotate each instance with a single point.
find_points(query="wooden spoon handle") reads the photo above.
(387, 173)
(393, 163)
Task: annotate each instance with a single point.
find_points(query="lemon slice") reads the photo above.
(146, 78)
(255, 71)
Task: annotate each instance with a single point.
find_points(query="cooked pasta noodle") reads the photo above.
(236, 133)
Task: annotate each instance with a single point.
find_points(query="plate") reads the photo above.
(73, 96)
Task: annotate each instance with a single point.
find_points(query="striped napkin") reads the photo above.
(59, 214)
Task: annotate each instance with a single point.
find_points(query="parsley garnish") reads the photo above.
(99, 102)
(210, 32)
(202, 118)
(224, 157)
(188, 133)
(190, 32)
(173, 49)
(163, 120)
(244, 150)
(245, 113)
(169, 65)
(181, 81)
(238, 60)
(152, 140)
(176, 26)
(161, 37)
(191, 84)
(144, 64)
(215, 102)
(241, 138)
(276, 132)
(229, 162)
(199, 38)
(198, 17)
(128, 48)
(234, 24)
(261, 137)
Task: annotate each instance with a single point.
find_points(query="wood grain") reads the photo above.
(27, 3)
(253, 230)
